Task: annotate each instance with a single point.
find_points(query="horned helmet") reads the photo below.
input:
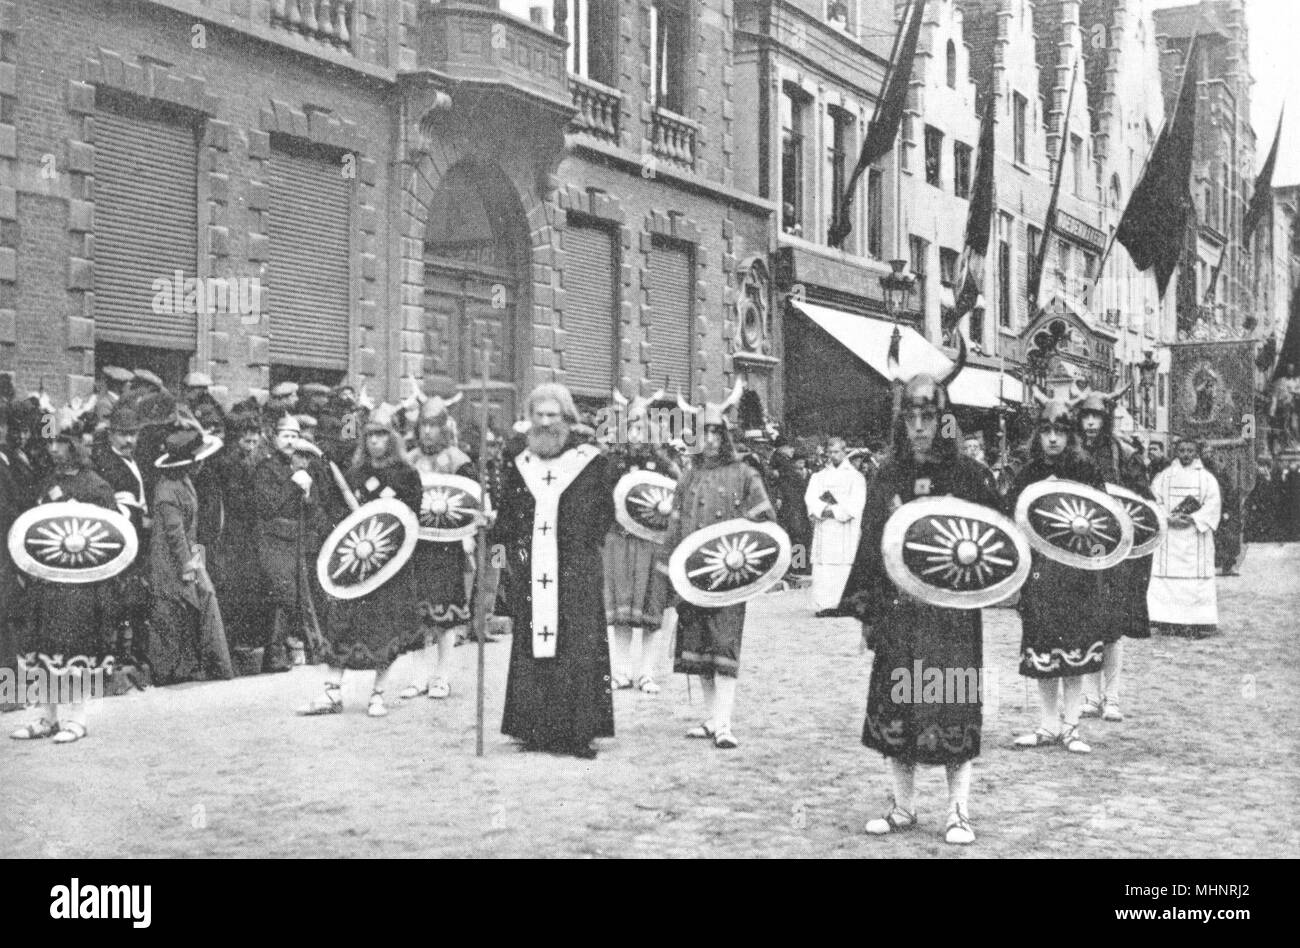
(923, 389)
(636, 411)
(714, 414)
(1099, 403)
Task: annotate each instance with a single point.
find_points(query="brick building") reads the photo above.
(391, 188)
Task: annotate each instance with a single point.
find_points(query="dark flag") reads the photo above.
(1036, 275)
(888, 116)
(979, 221)
(1263, 192)
(1155, 220)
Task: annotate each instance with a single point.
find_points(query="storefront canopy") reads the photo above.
(869, 338)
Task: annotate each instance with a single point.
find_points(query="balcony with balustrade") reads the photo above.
(673, 138)
(599, 109)
(329, 22)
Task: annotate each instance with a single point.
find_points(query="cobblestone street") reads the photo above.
(1206, 764)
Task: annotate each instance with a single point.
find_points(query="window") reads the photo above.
(952, 65)
(961, 162)
(668, 36)
(1076, 159)
(593, 34)
(1114, 191)
(1064, 262)
(837, 155)
(792, 160)
(672, 294)
(1089, 271)
(1020, 117)
(948, 267)
(876, 213)
(1035, 246)
(920, 249)
(837, 13)
(1226, 191)
(977, 324)
(1004, 271)
(933, 156)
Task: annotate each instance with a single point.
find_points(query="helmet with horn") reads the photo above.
(923, 389)
(437, 408)
(714, 414)
(1100, 402)
(637, 412)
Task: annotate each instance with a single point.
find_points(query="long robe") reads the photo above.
(129, 600)
(636, 593)
(842, 491)
(1182, 591)
(1124, 596)
(907, 634)
(553, 515)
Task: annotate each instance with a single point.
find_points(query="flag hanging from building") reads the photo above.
(888, 117)
(1263, 193)
(979, 221)
(1154, 222)
(1040, 263)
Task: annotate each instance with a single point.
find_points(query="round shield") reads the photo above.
(1149, 521)
(367, 549)
(642, 502)
(1074, 524)
(953, 553)
(728, 563)
(448, 507)
(72, 542)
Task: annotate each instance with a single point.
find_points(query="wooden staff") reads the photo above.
(480, 555)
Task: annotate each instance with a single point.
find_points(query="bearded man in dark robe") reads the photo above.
(553, 511)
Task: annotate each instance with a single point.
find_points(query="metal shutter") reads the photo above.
(672, 289)
(146, 227)
(308, 273)
(589, 313)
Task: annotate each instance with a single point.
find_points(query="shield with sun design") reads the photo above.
(72, 542)
(729, 562)
(1149, 521)
(1075, 524)
(953, 553)
(642, 502)
(448, 507)
(367, 549)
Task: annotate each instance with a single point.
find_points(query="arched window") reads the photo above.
(952, 65)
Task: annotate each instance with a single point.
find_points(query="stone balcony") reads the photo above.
(482, 46)
(330, 22)
(673, 137)
(598, 109)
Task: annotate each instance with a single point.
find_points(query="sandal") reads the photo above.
(439, 688)
(895, 821)
(702, 731)
(723, 739)
(331, 702)
(34, 732)
(1041, 737)
(69, 732)
(1072, 742)
(1092, 706)
(619, 682)
(377, 708)
(412, 691)
(959, 831)
(1111, 712)
(648, 685)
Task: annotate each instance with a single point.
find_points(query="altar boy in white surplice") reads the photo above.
(835, 497)
(1181, 598)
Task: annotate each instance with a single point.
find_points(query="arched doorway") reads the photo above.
(474, 254)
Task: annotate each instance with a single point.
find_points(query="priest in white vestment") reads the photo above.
(835, 497)
(1181, 598)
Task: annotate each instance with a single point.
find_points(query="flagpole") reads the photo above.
(480, 557)
(1037, 289)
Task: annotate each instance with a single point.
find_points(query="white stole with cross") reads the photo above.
(547, 479)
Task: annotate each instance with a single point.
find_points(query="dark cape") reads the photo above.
(1063, 613)
(562, 702)
(636, 593)
(1124, 596)
(907, 634)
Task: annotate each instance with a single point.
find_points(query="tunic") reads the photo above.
(285, 518)
(372, 631)
(129, 597)
(67, 627)
(14, 499)
(709, 640)
(553, 515)
(1124, 596)
(635, 592)
(1182, 593)
(789, 488)
(906, 718)
(440, 567)
(842, 491)
(236, 571)
(1063, 617)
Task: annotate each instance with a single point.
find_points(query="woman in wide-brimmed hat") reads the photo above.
(189, 639)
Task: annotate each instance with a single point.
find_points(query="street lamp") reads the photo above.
(1147, 370)
(897, 286)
